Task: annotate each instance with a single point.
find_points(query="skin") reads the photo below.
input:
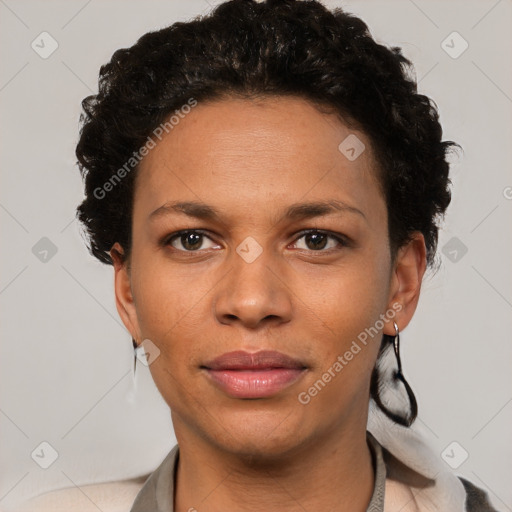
(252, 159)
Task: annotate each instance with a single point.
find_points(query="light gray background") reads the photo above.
(66, 358)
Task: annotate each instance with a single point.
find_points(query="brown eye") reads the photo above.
(318, 241)
(190, 241)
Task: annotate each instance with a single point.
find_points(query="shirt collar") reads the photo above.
(157, 493)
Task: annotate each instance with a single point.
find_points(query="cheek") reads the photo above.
(345, 345)
(171, 313)
(164, 298)
(351, 298)
(348, 307)
(168, 313)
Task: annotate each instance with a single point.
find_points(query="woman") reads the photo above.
(266, 182)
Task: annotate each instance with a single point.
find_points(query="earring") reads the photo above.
(379, 386)
(134, 357)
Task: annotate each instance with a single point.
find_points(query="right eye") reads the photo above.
(190, 240)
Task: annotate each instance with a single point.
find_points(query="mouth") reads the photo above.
(262, 374)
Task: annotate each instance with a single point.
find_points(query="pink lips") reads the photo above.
(262, 374)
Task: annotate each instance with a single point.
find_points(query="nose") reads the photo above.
(254, 294)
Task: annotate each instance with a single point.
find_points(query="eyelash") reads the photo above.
(342, 240)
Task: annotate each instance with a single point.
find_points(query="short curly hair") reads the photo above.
(248, 49)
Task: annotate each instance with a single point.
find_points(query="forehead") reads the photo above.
(257, 152)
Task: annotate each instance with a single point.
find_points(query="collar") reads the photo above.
(157, 493)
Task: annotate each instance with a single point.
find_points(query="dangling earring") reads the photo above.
(378, 385)
(134, 357)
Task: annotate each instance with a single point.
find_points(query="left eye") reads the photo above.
(317, 240)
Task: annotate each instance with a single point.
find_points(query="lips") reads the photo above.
(262, 374)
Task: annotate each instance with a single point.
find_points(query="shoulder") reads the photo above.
(116, 496)
(477, 499)
(400, 497)
(412, 490)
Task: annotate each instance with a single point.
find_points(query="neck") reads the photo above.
(334, 473)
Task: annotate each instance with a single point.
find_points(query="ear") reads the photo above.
(406, 279)
(125, 303)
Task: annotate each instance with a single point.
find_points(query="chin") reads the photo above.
(262, 437)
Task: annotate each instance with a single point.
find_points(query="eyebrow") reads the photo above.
(297, 211)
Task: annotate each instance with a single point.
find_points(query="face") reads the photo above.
(290, 255)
